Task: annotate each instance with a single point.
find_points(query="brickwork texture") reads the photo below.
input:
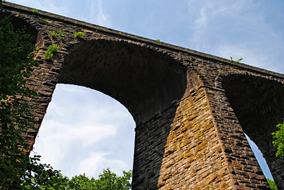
(192, 110)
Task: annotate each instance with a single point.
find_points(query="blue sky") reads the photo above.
(96, 139)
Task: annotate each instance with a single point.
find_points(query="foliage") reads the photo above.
(51, 51)
(239, 60)
(38, 175)
(272, 184)
(35, 11)
(106, 181)
(79, 34)
(56, 34)
(158, 41)
(14, 63)
(17, 170)
(278, 140)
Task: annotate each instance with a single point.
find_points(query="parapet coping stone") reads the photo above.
(21, 8)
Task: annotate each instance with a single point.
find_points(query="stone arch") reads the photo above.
(259, 105)
(147, 81)
(144, 80)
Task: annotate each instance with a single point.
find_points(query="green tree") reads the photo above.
(17, 169)
(42, 176)
(16, 65)
(239, 60)
(272, 184)
(278, 140)
(106, 181)
(13, 112)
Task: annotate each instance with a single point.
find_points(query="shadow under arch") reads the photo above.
(144, 80)
(147, 82)
(259, 105)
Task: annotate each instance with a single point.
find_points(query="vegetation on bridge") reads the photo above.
(278, 140)
(17, 169)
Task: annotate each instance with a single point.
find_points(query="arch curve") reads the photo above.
(258, 103)
(144, 80)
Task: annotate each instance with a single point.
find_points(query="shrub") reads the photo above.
(79, 34)
(237, 61)
(50, 52)
(35, 11)
(56, 34)
(158, 41)
(278, 139)
(272, 184)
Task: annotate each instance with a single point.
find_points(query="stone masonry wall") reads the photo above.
(193, 156)
(245, 169)
(180, 148)
(197, 142)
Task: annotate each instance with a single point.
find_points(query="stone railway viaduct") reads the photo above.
(191, 109)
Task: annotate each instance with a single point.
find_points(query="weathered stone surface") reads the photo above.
(191, 109)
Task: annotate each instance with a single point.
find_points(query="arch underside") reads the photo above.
(144, 80)
(259, 106)
(147, 82)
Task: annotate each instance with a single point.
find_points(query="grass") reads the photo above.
(272, 184)
(35, 11)
(79, 34)
(56, 34)
(158, 41)
(51, 51)
(239, 60)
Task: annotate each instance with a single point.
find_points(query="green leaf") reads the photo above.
(278, 140)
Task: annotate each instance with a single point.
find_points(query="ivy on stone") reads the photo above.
(51, 51)
(16, 63)
(278, 140)
(17, 169)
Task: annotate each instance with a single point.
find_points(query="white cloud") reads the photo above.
(98, 14)
(80, 136)
(207, 14)
(89, 10)
(56, 139)
(253, 56)
(96, 162)
(221, 27)
(46, 5)
(230, 28)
